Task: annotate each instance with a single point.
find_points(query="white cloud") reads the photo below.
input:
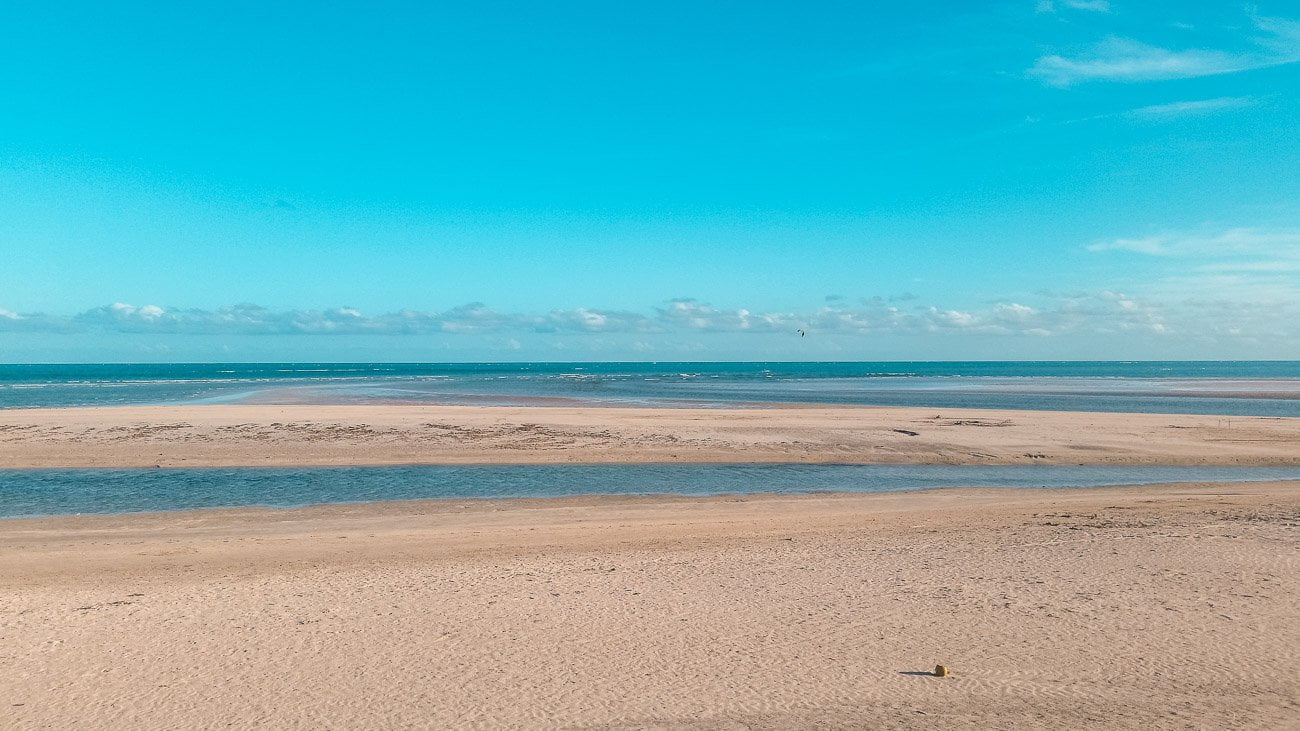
(1013, 312)
(583, 319)
(690, 314)
(1128, 60)
(953, 318)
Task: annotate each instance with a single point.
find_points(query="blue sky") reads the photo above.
(649, 181)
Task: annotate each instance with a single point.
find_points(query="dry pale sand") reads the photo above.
(1151, 607)
(407, 434)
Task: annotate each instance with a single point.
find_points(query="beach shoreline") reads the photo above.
(325, 435)
(1126, 607)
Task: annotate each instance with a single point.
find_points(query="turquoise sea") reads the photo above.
(1237, 388)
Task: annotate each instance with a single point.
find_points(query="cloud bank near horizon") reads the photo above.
(1058, 314)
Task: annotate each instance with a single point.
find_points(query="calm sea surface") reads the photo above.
(1238, 388)
(65, 492)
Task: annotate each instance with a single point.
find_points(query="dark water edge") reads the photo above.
(54, 492)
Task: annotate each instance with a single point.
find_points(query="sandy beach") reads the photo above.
(1140, 607)
(1153, 607)
(228, 435)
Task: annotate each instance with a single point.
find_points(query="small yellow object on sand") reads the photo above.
(940, 671)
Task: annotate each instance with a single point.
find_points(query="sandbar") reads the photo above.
(290, 435)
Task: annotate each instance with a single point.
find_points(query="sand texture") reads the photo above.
(406, 434)
(1155, 608)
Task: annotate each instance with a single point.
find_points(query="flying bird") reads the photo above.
(802, 334)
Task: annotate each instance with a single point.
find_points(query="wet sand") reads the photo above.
(284, 435)
(1147, 607)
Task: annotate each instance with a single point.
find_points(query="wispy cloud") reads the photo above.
(1283, 35)
(1271, 243)
(1096, 6)
(1175, 110)
(1123, 59)
(1248, 266)
(1172, 111)
(1129, 60)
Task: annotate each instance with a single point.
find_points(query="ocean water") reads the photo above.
(25, 493)
(1233, 388)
